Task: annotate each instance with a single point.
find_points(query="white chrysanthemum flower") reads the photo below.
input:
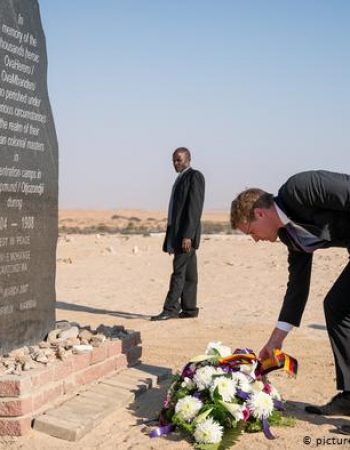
(188, 407)
(208, 432)
(225, 386)
(249, 369)
(222, 349)
(188, 383)
(242, 381)
(257, 386)
(203, 376)
(260, 404)
(274, 393)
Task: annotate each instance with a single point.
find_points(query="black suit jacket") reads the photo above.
(186, 211)
(319, 201)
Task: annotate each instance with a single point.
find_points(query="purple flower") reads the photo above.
(188, 371)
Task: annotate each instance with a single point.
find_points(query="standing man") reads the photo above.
(311, 211)
(182, 238)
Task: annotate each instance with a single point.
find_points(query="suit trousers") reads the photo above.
(337, 313)
(182, 292)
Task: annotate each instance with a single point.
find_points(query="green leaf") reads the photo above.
(168, 414)
(175, 378)
(230, 437)
(253, 425)
(180, 393)
(207, 446)
(286, 421)
(221, 415)
(215, 395)
(201, 417)
(278, 419)
(216, 352)
(182, 424)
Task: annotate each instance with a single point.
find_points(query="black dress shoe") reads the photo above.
(339, 405)
(164, 315)
(344, 429)
(185, 315)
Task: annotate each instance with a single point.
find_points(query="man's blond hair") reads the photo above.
(242, 207)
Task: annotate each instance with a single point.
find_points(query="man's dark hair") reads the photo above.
(183, 150)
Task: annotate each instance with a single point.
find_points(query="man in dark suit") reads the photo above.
(311, 211)
(182, 238)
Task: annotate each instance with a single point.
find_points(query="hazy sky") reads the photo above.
(257, 90)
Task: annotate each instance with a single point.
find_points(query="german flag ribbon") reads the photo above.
(238, 358)
(279, 360)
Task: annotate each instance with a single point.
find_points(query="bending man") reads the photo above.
(310, 212)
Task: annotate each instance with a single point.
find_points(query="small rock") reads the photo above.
(28, 365)
(61, 353)
(56, 343)
(52, 336)
(18, 353)
(17, 370)
(135, 249)
(107, 331)
(122, 334)
(62, 325)
(40, 357)
(79, 349)
(111, 250)
(43, 344)
(10, 362)
(33, 348)
(71, 332)
(21, 359)
(97, 340)
(110, 331)
(48, 352)
(85, 334)
(68, 343)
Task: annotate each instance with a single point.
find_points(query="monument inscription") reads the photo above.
(28, 179)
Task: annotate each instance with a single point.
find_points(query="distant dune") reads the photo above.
(131, 221)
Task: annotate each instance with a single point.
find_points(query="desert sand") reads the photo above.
(122, 279)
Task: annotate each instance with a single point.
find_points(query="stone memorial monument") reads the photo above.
(28, 180)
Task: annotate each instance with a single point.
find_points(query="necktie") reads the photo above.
(295, 237)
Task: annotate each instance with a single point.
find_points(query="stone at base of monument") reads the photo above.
(23, 397)
(79, 415)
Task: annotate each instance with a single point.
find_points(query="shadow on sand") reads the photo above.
(93, 310)
(296, 409)
(317, 326)
(146, 409)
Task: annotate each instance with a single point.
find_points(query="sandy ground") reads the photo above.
(114, 279)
